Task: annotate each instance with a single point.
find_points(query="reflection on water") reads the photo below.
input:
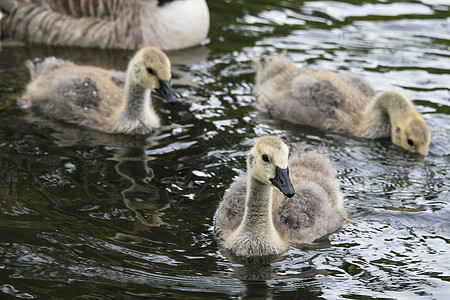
(87, 214)
(140, 196)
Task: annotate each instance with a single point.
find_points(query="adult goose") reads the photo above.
(120, 24)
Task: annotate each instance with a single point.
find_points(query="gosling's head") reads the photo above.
(268, 163)
(412, 134)
(408, 128)
(151, 69)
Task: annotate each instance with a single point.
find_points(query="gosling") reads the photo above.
(103, 100)
(254, 219)
(339, 102)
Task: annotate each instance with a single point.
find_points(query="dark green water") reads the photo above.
(90, 215)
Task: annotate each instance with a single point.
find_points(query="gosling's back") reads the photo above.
(315, 97)
(76, 94)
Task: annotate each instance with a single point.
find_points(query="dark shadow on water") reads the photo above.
(105, 58)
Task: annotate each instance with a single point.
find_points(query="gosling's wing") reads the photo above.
(302, 218)
(327, 97)
(82, 92)
(310, 215)
(317, 206)
(318, 94)
(118, 78)
(231, 210)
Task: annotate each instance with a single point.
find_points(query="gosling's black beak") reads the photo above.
(283, 182)
(165, 90)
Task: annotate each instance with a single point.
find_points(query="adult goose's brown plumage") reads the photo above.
(104, 100)
(254, 219)
(339, 102)
(120, 24)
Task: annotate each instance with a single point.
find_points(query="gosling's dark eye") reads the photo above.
(265, 157)
(410, 142)
(150, 71)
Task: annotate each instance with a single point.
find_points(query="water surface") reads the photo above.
(90, 215)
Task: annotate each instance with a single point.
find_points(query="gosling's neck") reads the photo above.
(137, 113)
(382, 114)
(258, 208)
(257, 234)
(137, 97)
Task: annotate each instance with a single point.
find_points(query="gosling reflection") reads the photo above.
(145, 200)
(252, 268)
(257, 271)
(257, 290)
